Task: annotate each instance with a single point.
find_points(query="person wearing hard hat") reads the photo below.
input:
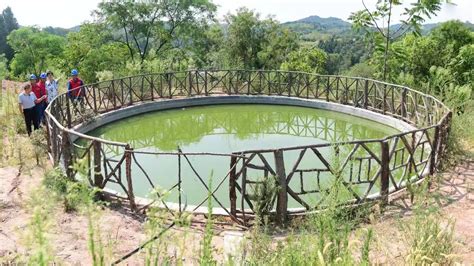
(40, 93)
(42, 105)
(74, 86)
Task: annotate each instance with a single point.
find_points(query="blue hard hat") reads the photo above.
(43, 75)
(74, 72)
(32, 76)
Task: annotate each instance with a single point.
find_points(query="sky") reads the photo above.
(69, 13)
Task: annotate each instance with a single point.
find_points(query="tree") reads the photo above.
(281, 42)
(311, 60)
(92, 50)
(3, 67)
(420, 54)
(451, 36)
(378, 23)
(34, 50)
(363, 70)
(8, 24)
(253, 43)
(205, 46)
(146, 26)
(344, 51)
(463, 65)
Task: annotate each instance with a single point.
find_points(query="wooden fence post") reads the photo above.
(232, 190)
(128, 173)
(206, 92)
(403, 103)
(54, 143)
(443, 138)
(94, 97)
(249, 80)
(190, 81)
(98, 179)
(68, 113)
(282, 200)
(289, 84)
(48, 133)
(168, 79)
(434, 150)
(328, 89)
(366, 94)
(385, 172)
(66, 148)
(130, 93)
(179, 181)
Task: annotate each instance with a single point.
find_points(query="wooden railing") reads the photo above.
(366, 169)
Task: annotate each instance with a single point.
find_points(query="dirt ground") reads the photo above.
(122, 232)
(455, 197)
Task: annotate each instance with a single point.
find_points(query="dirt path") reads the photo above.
(68, 235)
(454, 194)
(121, 232)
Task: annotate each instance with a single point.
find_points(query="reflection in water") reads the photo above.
(230, 128)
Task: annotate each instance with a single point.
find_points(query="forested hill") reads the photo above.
(314, 28)
(310, 24)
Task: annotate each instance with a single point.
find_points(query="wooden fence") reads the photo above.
(366, 169)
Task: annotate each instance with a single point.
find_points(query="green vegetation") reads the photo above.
(133, 37)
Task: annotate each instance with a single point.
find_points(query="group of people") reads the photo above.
(37, 94)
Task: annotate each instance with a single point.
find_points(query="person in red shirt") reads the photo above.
(42, 85)
(73, 86)
(40, 93)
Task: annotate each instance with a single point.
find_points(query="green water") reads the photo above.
(226, 129)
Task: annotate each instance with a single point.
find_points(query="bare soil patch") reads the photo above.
(122, 232)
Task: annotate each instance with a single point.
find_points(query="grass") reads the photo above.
(206, 244)
(429, 241)
(334, 236)
(37, 239)
(462, 140)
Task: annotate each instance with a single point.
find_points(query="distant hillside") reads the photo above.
(60, 31)
(315, 27)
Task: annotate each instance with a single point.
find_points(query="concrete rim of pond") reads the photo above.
(423, 121)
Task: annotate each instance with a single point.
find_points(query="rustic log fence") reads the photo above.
(386, 164)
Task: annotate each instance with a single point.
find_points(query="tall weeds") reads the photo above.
(322, 238)
(37, 238)
(206, 244)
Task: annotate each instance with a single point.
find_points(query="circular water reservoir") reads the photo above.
(227, 129)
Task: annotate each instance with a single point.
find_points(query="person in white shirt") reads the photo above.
(27, 101)
(51, 86)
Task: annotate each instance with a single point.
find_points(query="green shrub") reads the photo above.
(39, 143)
(56, 181)
(72, 194)
(77, 195)
(264, 195)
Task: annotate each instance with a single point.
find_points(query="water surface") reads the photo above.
(226, 129)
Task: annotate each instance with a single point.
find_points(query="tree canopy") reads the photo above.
(311, 60)
(8, 24)
(34, 50)
(255, 43)
(148, 27)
